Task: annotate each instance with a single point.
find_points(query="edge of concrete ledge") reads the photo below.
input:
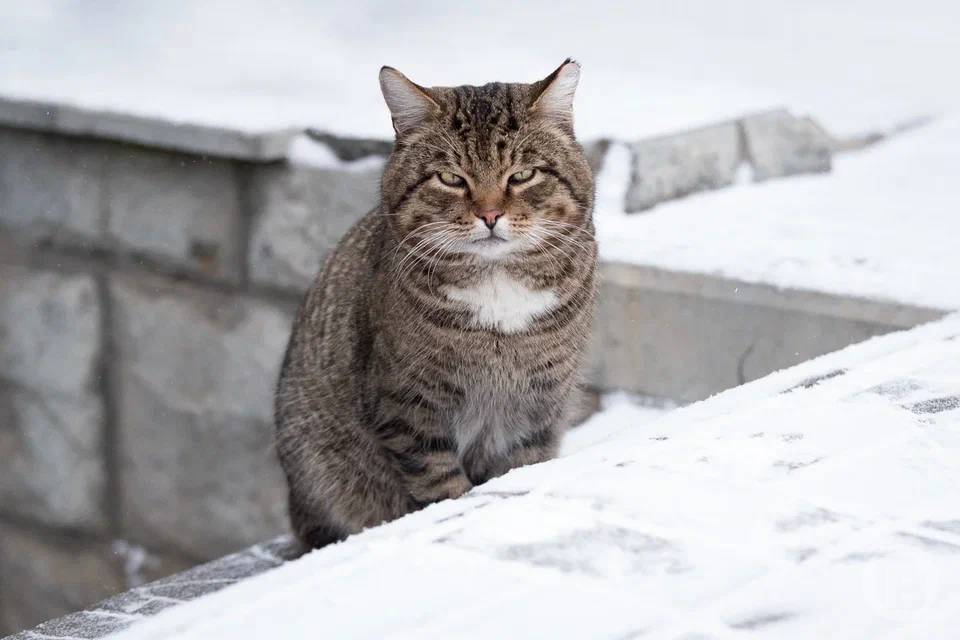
(121, 610)
(888, 312)
(225, 142)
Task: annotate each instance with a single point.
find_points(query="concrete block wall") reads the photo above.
(148, 282)
(149, 273)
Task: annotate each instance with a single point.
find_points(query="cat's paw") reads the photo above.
(449, 486)
(458, 486)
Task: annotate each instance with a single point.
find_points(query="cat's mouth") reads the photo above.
(491, 247)
(489, 240)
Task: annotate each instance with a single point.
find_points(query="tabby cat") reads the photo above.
(440, 345)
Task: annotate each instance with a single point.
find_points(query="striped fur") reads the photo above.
(432, 353)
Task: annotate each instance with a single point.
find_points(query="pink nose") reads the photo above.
(490, 217)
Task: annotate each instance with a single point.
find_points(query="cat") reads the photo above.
(441, 343)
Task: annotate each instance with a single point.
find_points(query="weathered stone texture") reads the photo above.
(51, 416)
(780, 144)
(50, 188)
(200, 139)
(44, 577)
(49, 330)
(178, 209)
(686, 336)
(116, 613)
(301, 214)
(195, 374)
(677, 165)
(52, 450)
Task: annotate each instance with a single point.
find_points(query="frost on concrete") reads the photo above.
(820, 501)
(139, 603)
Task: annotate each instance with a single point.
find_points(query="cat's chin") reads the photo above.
(492, 248)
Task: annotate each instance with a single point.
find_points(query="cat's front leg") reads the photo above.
(427, 462)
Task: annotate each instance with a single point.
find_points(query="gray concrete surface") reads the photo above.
(301, 214)
(51, 417)
(197, 139)
(51, 188)
(779, 144)
(195, 378)
(175, 208)
(677, 165)
(687, 336)
(773, 144)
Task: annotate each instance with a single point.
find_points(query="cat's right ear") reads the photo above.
(409, 103)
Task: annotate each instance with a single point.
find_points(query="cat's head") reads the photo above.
(490, 171)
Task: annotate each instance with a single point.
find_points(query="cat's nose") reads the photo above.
(490, 217)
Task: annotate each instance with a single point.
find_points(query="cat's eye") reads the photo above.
(522, 176)
(451, 179)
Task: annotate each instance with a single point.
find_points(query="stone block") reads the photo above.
(181, 210)
(201, 139)
(49, 330)
(44, 577)
(780, 144)
(50, 187)
(195, 379)
(677, 165)
(53, 468)
(51, 414)
(300, 215)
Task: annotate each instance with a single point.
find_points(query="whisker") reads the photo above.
(566, 241)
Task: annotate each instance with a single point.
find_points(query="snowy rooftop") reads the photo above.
(818, 501)
(882, 225)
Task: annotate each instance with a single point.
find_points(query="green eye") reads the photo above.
(522, 176)
(451, 179)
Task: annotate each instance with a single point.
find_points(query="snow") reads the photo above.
(883, 225)
(647, 67)
(619, 411)
(820, 501)
(307, 152)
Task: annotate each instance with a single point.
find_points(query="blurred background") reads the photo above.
(647, 69)
(775, 180)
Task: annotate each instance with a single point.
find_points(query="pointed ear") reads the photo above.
(409, 103)
(553, 96)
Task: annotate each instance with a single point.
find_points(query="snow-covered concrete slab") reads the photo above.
(883, 225)
(141, 602)
(820, 501)
(165, 132)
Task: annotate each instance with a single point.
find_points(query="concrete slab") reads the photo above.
(223, 142)
(687, 336)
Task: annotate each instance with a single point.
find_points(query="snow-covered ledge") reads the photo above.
(123, 609)
(817, 501)
(144, 230)
(206, 140)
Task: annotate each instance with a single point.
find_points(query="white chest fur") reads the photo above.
(499, 301)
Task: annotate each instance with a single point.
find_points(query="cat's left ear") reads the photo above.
(553, 96)
(409, 103)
